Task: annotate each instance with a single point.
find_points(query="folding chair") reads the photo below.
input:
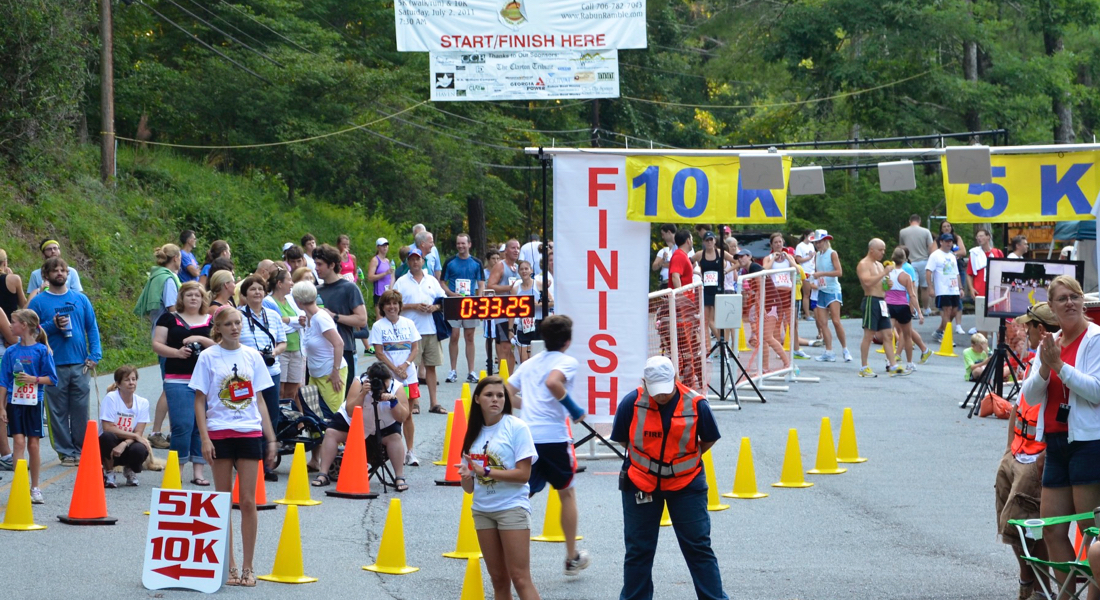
(1078, 568)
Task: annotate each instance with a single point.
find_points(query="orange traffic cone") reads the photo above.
(261, 491)
(454, 452)
(89, 502)
(354, 480)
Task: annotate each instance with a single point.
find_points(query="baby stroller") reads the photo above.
(307, 427)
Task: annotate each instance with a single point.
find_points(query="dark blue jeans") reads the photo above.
(641, 526)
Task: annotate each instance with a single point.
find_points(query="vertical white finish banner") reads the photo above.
(601, 280)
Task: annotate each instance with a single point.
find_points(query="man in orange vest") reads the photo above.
(1019, 476)
(665, 427)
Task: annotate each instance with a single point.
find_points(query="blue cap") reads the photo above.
(414, 251)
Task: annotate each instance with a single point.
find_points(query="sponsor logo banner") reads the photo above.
(526, 75)
(508, 25)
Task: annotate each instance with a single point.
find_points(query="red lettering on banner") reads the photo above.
(204, 551)
(610, 275)
(611, 395)
(600, 40)
(612, 358)
(176, 499)
(603, 311)
(594, 185)
(603, 230)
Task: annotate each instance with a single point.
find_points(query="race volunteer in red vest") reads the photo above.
(665, 427)
(1019, 480)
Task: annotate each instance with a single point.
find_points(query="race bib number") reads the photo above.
(820, 283)
(953, 284)
(125, 423)
(882, 308)
(349, 277)
(527, 325)
(462, 287)
(25, 395)
(710, 278)
(783, 280)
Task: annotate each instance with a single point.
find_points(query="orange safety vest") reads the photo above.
(1027, 420)
(659, 459)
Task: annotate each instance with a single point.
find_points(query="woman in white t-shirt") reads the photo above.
(527, 330)
(323, 345)
(497, 454)
(396, 341)
(228, 380)
(123, 416)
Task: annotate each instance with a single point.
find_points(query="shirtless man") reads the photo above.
(504, 274)
(876, 318)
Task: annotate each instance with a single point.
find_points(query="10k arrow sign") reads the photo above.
(186, 542)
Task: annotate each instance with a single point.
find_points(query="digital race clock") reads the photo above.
(488, 307)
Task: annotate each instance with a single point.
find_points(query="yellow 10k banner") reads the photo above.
(681, 189)
(1028, 187)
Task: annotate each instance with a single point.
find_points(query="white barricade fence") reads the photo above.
(676, 331)
(770, 319)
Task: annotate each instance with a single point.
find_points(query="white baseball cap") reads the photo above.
(381, 242)
(659, 375)
(287, 246)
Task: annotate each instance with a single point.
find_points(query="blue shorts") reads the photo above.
(1070, 463)
(953, 300)
(824, 299)
(557, 465)
(26, 420)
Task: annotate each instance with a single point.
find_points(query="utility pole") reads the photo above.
(106, 93)
(595, 123)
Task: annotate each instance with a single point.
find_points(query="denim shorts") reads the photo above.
(1070, 463)
(824, 299)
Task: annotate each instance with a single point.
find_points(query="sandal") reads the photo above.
(321, 480)
(415, 408)
(234, 577)
(438, 409)
(200, 482)
(401, 487)
(248, 578)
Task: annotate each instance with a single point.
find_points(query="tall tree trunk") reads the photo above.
(970, 73)
(1060, 101)
(475, 214)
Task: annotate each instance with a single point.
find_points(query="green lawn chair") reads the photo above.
(1044, 569)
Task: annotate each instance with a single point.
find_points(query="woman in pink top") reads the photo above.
(347, 259)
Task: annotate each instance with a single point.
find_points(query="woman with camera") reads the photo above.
(323, 346)
(374, 388)
(179, 337)
(1067, 387)
(262, 330)
(235, 429)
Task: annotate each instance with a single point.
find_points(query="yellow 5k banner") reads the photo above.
(680, 189)
(1028, 187)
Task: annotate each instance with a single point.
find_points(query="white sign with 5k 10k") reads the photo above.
(525, 75)
(186, 540)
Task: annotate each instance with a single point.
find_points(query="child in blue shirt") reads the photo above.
(25, 369)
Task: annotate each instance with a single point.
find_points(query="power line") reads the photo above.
(207, 23)
(472, 120)
(254, 20)
(224, 20)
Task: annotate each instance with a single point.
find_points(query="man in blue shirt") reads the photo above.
(35, 284)
(463, 275)
(70, 324)
(189, 267)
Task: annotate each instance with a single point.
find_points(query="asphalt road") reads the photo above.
(915, 521)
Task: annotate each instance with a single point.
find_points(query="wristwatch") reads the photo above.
(488, 470)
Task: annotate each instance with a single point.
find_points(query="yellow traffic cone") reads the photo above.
(666, 520)
(446, 440)
(18, 516)
(473, 587)
(482, 375)
(391, 552)
(742, 345)
(792, 476)
(297, 485)
(826, 452)
(947, 345)
(466, 398)
(503, 372)
(467, 545)
(894, 338)
(170, 480)
(714, 503)
(744, 479)
(787, 340)
(551, 524)
(288, 566)
(846, 450)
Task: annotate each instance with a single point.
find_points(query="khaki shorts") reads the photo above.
(465, 324)
(430, 353)
(329, 396)
(511, 519)
(293, 366)
(1018, 487)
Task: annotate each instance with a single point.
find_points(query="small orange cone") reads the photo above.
(89, 502)
(354, 480)
(454, 452)
(446, 439)
(18, 515)
(391, 550)
(261, 491)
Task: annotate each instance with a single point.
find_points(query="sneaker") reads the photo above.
(928, 312)
(411, 460)
(899, 371)
(70, 461)
(867, 372)
(574, 566)
(158, 441)
(801, 354)
(924, 356)
(959, 330)
(451, 377)
(817, 343)
(36, 496)
(937, 337)
(472, 377)
(826, 357)
(131, 477)
(972, 331)
(369, 351)
(6, 463)
(271, 476)
(109, 480)
(847, 356)
(910, 369)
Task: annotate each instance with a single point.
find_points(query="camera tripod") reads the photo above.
(991, 380)
(380, 469)
(727, 373)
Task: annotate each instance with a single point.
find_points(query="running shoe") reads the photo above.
(867, 372)
(158, 441)
(451, 377)
(411, 460)
(36, 496)
(899, 371)
(826, 357)
(70, 461)
(472, 377)
(801, 354)
(847, 356)
(924, 356)
(574, 566)
(109, 480)
(910, 369)
(817, 343)
(131, 477)
(369, 351)
(6, 463)
(928, 312)
(959, 330)
(972, 331)
(937, 337)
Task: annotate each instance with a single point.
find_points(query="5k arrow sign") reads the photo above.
(177, 571)
(195, 527)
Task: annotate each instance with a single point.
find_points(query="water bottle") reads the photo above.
(66, 311)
